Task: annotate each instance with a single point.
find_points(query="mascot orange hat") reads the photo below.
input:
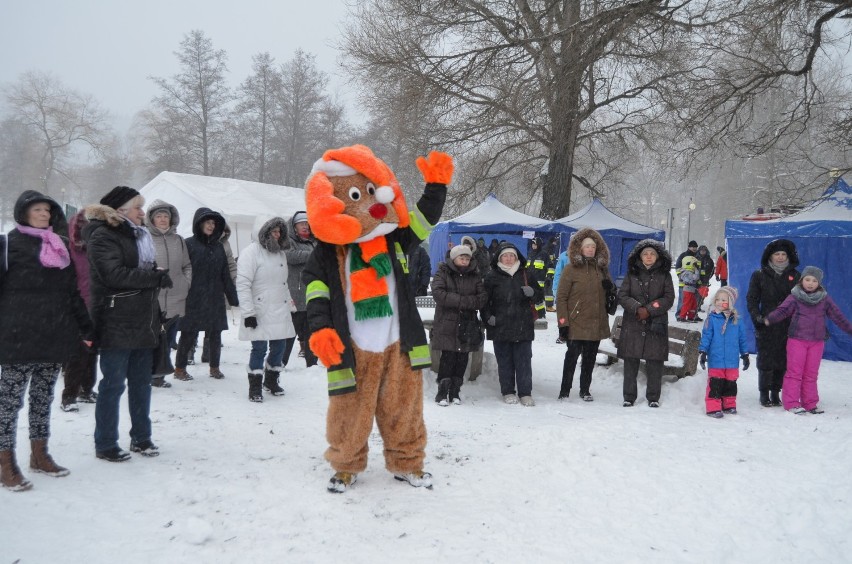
(325, 210)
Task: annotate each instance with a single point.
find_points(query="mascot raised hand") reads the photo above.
(364, 323)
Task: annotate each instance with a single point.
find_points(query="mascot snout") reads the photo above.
(379, 211)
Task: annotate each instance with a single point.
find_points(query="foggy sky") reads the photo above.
(109, 48)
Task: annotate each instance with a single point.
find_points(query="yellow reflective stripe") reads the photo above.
(539, 307)
(551, 271)
(400, 256)
(419, 224)
(316, 289)
(339, 379)
(420, 356)
(539, 264)
(541, 283)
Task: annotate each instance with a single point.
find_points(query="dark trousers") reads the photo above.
(188, 340)
(514, 366)
(654, 368)
(770, 380)
(453, 365)
(80, 373)
(588, 350)
(130, 369)
(300, 322)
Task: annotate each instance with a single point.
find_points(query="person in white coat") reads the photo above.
(265, 307)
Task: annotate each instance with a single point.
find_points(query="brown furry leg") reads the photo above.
(350, 418)
(399, 411)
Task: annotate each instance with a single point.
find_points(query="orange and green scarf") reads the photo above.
(368, 265)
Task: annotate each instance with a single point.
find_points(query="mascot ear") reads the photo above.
(325, 213)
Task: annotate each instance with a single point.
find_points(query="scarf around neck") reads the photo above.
(54, 253)
(510, 270)
(144, 245)
(813, 298)
(780, 268)
(369, 264)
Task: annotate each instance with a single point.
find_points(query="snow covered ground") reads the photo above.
(562, 481)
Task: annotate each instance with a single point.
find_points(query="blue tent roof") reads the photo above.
(822, 233)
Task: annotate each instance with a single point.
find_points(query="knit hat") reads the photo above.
(459, 250)
(300, 217)
(469, 241)
(720, 249)
(732, 292)
(507, 250)
(813, 271)
(119, 196)
(692, 244)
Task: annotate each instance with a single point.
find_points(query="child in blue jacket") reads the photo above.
(723, 344)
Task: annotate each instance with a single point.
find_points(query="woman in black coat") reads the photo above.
(513, 290)
(125, 283)
(459, 293)
(768, 287)
(43, 319)
(646, 294)
(211, 284)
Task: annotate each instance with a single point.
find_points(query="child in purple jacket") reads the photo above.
(723, 344)
(808, 305)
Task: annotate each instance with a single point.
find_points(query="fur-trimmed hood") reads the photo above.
(158, 205)
(780, 245)
(30, 197)
(521, 258)
(264, 237)
(634, 258)
(202, 215)
(575, 245)
(100, 212)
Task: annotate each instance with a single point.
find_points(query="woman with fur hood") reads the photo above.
(646, 294)
(42, 321)
(266, 307)
(581, 308)
(162, 220)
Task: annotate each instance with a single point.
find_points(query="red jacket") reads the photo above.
(722, 266)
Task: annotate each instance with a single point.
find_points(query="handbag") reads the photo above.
(611, 297)
(162, 363)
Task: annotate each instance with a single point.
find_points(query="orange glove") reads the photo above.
(437, 168)
(328, 347)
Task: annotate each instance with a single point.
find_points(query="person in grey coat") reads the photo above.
(646, 294)
(301, 246)
(459, 292)
(162, 220)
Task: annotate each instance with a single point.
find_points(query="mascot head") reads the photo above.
(352, 196)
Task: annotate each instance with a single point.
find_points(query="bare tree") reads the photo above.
(195, 101)
(60, 117)
(20, 165)
(255, 111)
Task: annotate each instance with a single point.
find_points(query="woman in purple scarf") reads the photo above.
(42, 321)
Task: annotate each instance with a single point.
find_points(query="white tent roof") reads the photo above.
(492, 211)
(597, 216)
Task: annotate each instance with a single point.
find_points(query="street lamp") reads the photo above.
(689, 221)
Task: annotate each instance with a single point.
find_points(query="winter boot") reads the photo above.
(764, 399)
(775, 398)
(270, 380)
(418, 479)
(442, 398)
(255, 386)
(216, 373)
(42, 462)
(10, 475)
(341, 481)
(182, 374)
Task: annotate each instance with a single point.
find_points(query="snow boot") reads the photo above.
(764, 399)
(42, 462)
(145, 448)
(775, 398)
(10, 475)
(443, 391)
(182, 374)
(341, 481)
(715, 414)
(216, 373)
(255, 386)
(418, 479)
(270, 380)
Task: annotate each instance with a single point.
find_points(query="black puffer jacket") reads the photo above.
(211, 278)
(124, 297)
(653, 289)
(42, 316)
(457, 294)
(766, 290)
(514, 312)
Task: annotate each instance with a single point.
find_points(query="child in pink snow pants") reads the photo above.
(723, 344)
(807, 305)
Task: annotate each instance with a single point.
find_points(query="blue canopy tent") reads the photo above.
(491, 220)
(822, 233)
(620, 234)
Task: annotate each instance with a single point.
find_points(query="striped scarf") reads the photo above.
(368, 265)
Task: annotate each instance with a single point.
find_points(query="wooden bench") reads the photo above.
(683, 343)
(474, 365)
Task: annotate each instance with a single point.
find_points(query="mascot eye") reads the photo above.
(371, 189)
(354, 194)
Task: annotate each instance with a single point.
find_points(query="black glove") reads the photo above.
(607, 284)
(563, 333)
(746, 361)
(528, 291)
(492, 321)
(702, 359)
(250, 322)
(165, 280)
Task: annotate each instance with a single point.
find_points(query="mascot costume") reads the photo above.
(364, 323)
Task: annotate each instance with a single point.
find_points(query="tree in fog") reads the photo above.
(62, 120)
(254, 115)
(20, 165)
(194, 102)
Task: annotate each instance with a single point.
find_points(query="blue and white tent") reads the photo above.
(822, 233)
(491, 220)
(620, 234)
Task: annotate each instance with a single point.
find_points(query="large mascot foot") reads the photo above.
(341, 481)
(419, 479)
